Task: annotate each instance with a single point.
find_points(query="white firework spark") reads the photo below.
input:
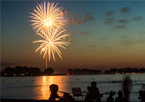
(47, 16)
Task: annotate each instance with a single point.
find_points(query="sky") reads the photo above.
(103, 35)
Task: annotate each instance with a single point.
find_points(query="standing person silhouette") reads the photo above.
(127, 86)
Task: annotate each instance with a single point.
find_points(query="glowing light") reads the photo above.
(43, 49)
(52, 40)
(45, 89)
(47, 16)
(67, 73)
(44, 79)
(46, 23)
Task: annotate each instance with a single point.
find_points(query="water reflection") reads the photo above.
(44, 88)
(46, 82)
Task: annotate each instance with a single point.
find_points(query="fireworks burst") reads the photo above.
(50, 43)
(48, 21)
(47, 16)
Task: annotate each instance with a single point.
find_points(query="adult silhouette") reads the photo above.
(54, 90)
(127, 86)
(93, 93)
(65, 98)
(142, 93)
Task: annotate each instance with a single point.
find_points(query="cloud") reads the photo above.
(125, 10)
(88, 16)
(77, 20)
(109, 13)
(109, 21)
(83, 33)
(72, 18)
(137, 18)
(122, 21)
(120, 26)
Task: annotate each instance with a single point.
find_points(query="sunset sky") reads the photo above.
(103, 35)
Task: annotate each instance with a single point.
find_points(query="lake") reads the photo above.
(38, 87)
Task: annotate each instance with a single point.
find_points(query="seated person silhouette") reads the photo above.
(93, 93)
(120, 97)
(66, 96)
(54, 95)
(110, 98)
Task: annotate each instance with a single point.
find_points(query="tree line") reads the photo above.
(83, 71)
(25, 71)
(125, 70)
(34, 71)
(110, 71)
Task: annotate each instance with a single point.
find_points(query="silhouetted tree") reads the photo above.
(36, 71)
(25, 70)
(107, 72)
(141, 70)
(83, 71)
(31, 71)
(9, 71)
(113, 71)
(48, 71)
(2, 73)
(18, 70)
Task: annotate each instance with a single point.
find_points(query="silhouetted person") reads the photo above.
(93, 93)
(120, 97)
(110, 98)
(126, 86)
(143, 87)
(126, 98)
(66, 96)
(142, 93)
(54, 95)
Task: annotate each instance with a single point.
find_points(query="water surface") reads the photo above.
(38, 87)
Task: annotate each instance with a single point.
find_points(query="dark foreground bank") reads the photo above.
(29, 100)
(22, 100)
(25, 100)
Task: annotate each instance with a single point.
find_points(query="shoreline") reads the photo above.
(69, 75)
